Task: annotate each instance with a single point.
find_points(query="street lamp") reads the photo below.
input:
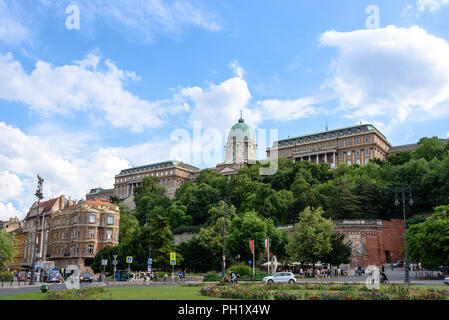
(403, 190)
(39, 196)
(149, 247)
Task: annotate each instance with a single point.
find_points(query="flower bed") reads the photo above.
(326, 291)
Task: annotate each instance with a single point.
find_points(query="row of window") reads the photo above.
(322, 136)
(109, 235)
(357, 153)
(324, 146)
(76, 219)
(157, 174)
(72, 250)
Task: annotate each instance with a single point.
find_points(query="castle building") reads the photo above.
(100, 194)
(240, 149)
(79, 231)
(171, 175)
(352, 145)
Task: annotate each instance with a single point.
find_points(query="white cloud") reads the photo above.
(236, 68)
(83, 86)
(71, 174)
(447, 135)
(143, 19)
(431, 5)
(285, 110)
(9, 211)
(390, 71)
(12, 31)
(219, 105)
(10, 185)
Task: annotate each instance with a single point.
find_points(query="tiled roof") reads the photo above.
(100, 202)
(47, 205)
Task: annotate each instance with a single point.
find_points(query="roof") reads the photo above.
(241, 131)
(47, 205)
(159, 165)
(411, 146)
(99, 202)
(362, 127)
(100, 190)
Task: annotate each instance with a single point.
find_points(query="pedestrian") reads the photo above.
(383, 268)
(156, 276)
(184, 274)
(301, 273)
(165, 277)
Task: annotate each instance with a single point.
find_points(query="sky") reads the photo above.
(91, 87)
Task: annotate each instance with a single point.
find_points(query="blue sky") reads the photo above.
(79, 105)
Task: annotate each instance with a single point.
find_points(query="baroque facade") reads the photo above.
(171, 175)
(79, 231)
(35, 216)
(240, 149)
(352, 145)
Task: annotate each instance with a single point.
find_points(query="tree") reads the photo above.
(7, 250)
(340, 253)
(399, 158)
(429, 148)
(311, 239)
(128, 225)
(150, 200)
(177, 217)
(428, 241)
(198, 199)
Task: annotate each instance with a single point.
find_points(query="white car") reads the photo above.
(281, 277)
(446, 280)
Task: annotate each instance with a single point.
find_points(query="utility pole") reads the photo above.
(396, 202)
(39, 196)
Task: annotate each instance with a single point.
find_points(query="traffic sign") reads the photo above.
(104, 262)
(172, 258)
(115, 256)
(150, 261)
(114, 262)
(129, 259)
(249, 262)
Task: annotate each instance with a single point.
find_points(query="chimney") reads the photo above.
(61, 202)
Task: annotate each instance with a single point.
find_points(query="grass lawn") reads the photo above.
(131, 293)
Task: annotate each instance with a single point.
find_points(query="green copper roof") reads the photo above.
(241, 131)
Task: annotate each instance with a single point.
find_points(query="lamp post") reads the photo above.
(149, 247)
(223, 268)
(403, 190)
(39, 196)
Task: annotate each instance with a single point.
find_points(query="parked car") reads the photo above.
(398, 264)
(54, 276)
(281, 277)
(446, 281)
(86, 277)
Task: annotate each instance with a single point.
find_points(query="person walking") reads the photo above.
(301, 273)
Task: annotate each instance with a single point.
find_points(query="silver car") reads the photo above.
(281, 277)
(446, 281)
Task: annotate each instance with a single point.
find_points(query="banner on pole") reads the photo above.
(251, 245)
(267, 244)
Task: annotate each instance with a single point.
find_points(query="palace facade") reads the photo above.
(352, 145)
(171, 175)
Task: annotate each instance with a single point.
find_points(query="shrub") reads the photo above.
(259, 275)
(212, 276)
(5, 276)
(242, 269)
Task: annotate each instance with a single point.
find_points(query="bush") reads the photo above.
(259, 275)
(212, 276)
(5, 276)
(242, 269)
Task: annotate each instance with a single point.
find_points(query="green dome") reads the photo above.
(241, 131)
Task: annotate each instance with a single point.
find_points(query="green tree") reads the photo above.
(340, 253)
(428, 241)
(128, 224)
(429, 148)
(311, 239)
(400, 158)
(177, 217)
(150, 200)
(7, 250)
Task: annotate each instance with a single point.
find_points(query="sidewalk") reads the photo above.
(11, 285)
